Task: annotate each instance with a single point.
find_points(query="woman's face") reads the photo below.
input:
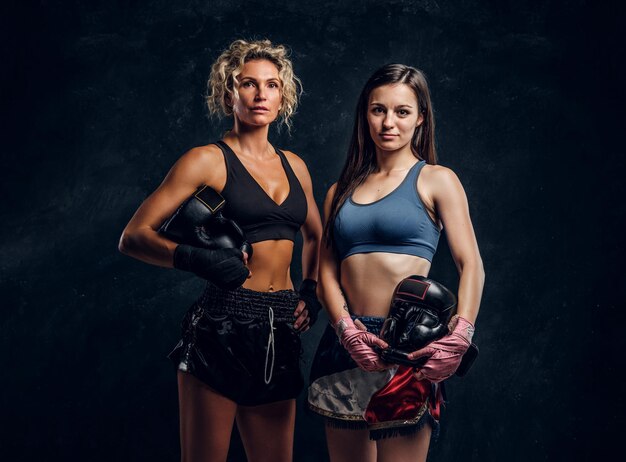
(393, 115)
(259, 93)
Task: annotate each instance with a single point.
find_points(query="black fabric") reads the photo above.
(409, 430)
(225, 341)
(254, 211)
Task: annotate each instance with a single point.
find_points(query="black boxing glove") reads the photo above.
(196, 211)
(222, 267)
(222, 233)
(419, 314)
(308, 295)
(198, 222)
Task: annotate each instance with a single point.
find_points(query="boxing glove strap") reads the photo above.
(210, 198)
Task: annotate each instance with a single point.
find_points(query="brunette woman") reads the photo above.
(383, 221)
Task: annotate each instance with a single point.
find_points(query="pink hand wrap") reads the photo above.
(445, 354)
(359, 342)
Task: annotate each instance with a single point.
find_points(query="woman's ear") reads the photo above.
(420, 120)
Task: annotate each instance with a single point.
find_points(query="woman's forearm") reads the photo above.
(146, 245)
(310, 257)
(330, 294)
(472, 279)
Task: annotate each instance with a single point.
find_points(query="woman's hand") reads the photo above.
(359, 343)
(309, 306)
(302, 322)
(223, 267)
(444, 355)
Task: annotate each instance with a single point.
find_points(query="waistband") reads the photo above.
(372, 323)
(249, 304)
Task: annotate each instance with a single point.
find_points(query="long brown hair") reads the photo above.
(361, 159)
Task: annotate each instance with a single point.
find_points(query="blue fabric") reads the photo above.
(396, 223)
(372, 323)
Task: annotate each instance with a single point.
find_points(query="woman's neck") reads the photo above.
(249, 140)
(401, 159)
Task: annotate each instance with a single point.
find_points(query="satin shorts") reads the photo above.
(387, 403)
(242, 344)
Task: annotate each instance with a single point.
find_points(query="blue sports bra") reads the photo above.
(396, 223)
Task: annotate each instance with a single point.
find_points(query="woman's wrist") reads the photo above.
(343, 323)
(461, 326)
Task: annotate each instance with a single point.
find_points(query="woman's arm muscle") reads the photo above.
(329, 287)
(202, 165)
(451, 206)
(312, 227)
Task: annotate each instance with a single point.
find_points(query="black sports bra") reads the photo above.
(253, 210)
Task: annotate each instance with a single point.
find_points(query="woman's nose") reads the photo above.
(260, 94)
(388, 121)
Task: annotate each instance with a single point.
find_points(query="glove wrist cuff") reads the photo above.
(182, 257)
(308, 287)
(344, 323)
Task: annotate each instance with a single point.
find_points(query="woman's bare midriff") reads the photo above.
(369, 279)
(269, 266)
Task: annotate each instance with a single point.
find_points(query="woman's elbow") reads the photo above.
(322, 285)
(474, 267)
(312, 237)
(127, 242)
(480, 271)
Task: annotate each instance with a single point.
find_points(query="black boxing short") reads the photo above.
(387, 403)
(242, 344)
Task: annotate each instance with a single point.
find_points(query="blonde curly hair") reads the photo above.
(221, 86)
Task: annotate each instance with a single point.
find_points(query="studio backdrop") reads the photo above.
(101, 98)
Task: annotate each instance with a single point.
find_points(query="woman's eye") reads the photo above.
(247, 84)
(403, 112)
(378, 110)
(273, 85)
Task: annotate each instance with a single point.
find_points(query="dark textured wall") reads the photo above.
(99, 100)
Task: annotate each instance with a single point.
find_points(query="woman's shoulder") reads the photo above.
(297, 164)
(294, 160)
(207, 156)
(438, 174)
(207, 153)
(436, 180)
(330, 194)
(203, 163)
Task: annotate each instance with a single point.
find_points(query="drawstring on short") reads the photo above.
(227, 347)
(270, 344)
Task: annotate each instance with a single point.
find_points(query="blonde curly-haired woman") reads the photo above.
(239, 356)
